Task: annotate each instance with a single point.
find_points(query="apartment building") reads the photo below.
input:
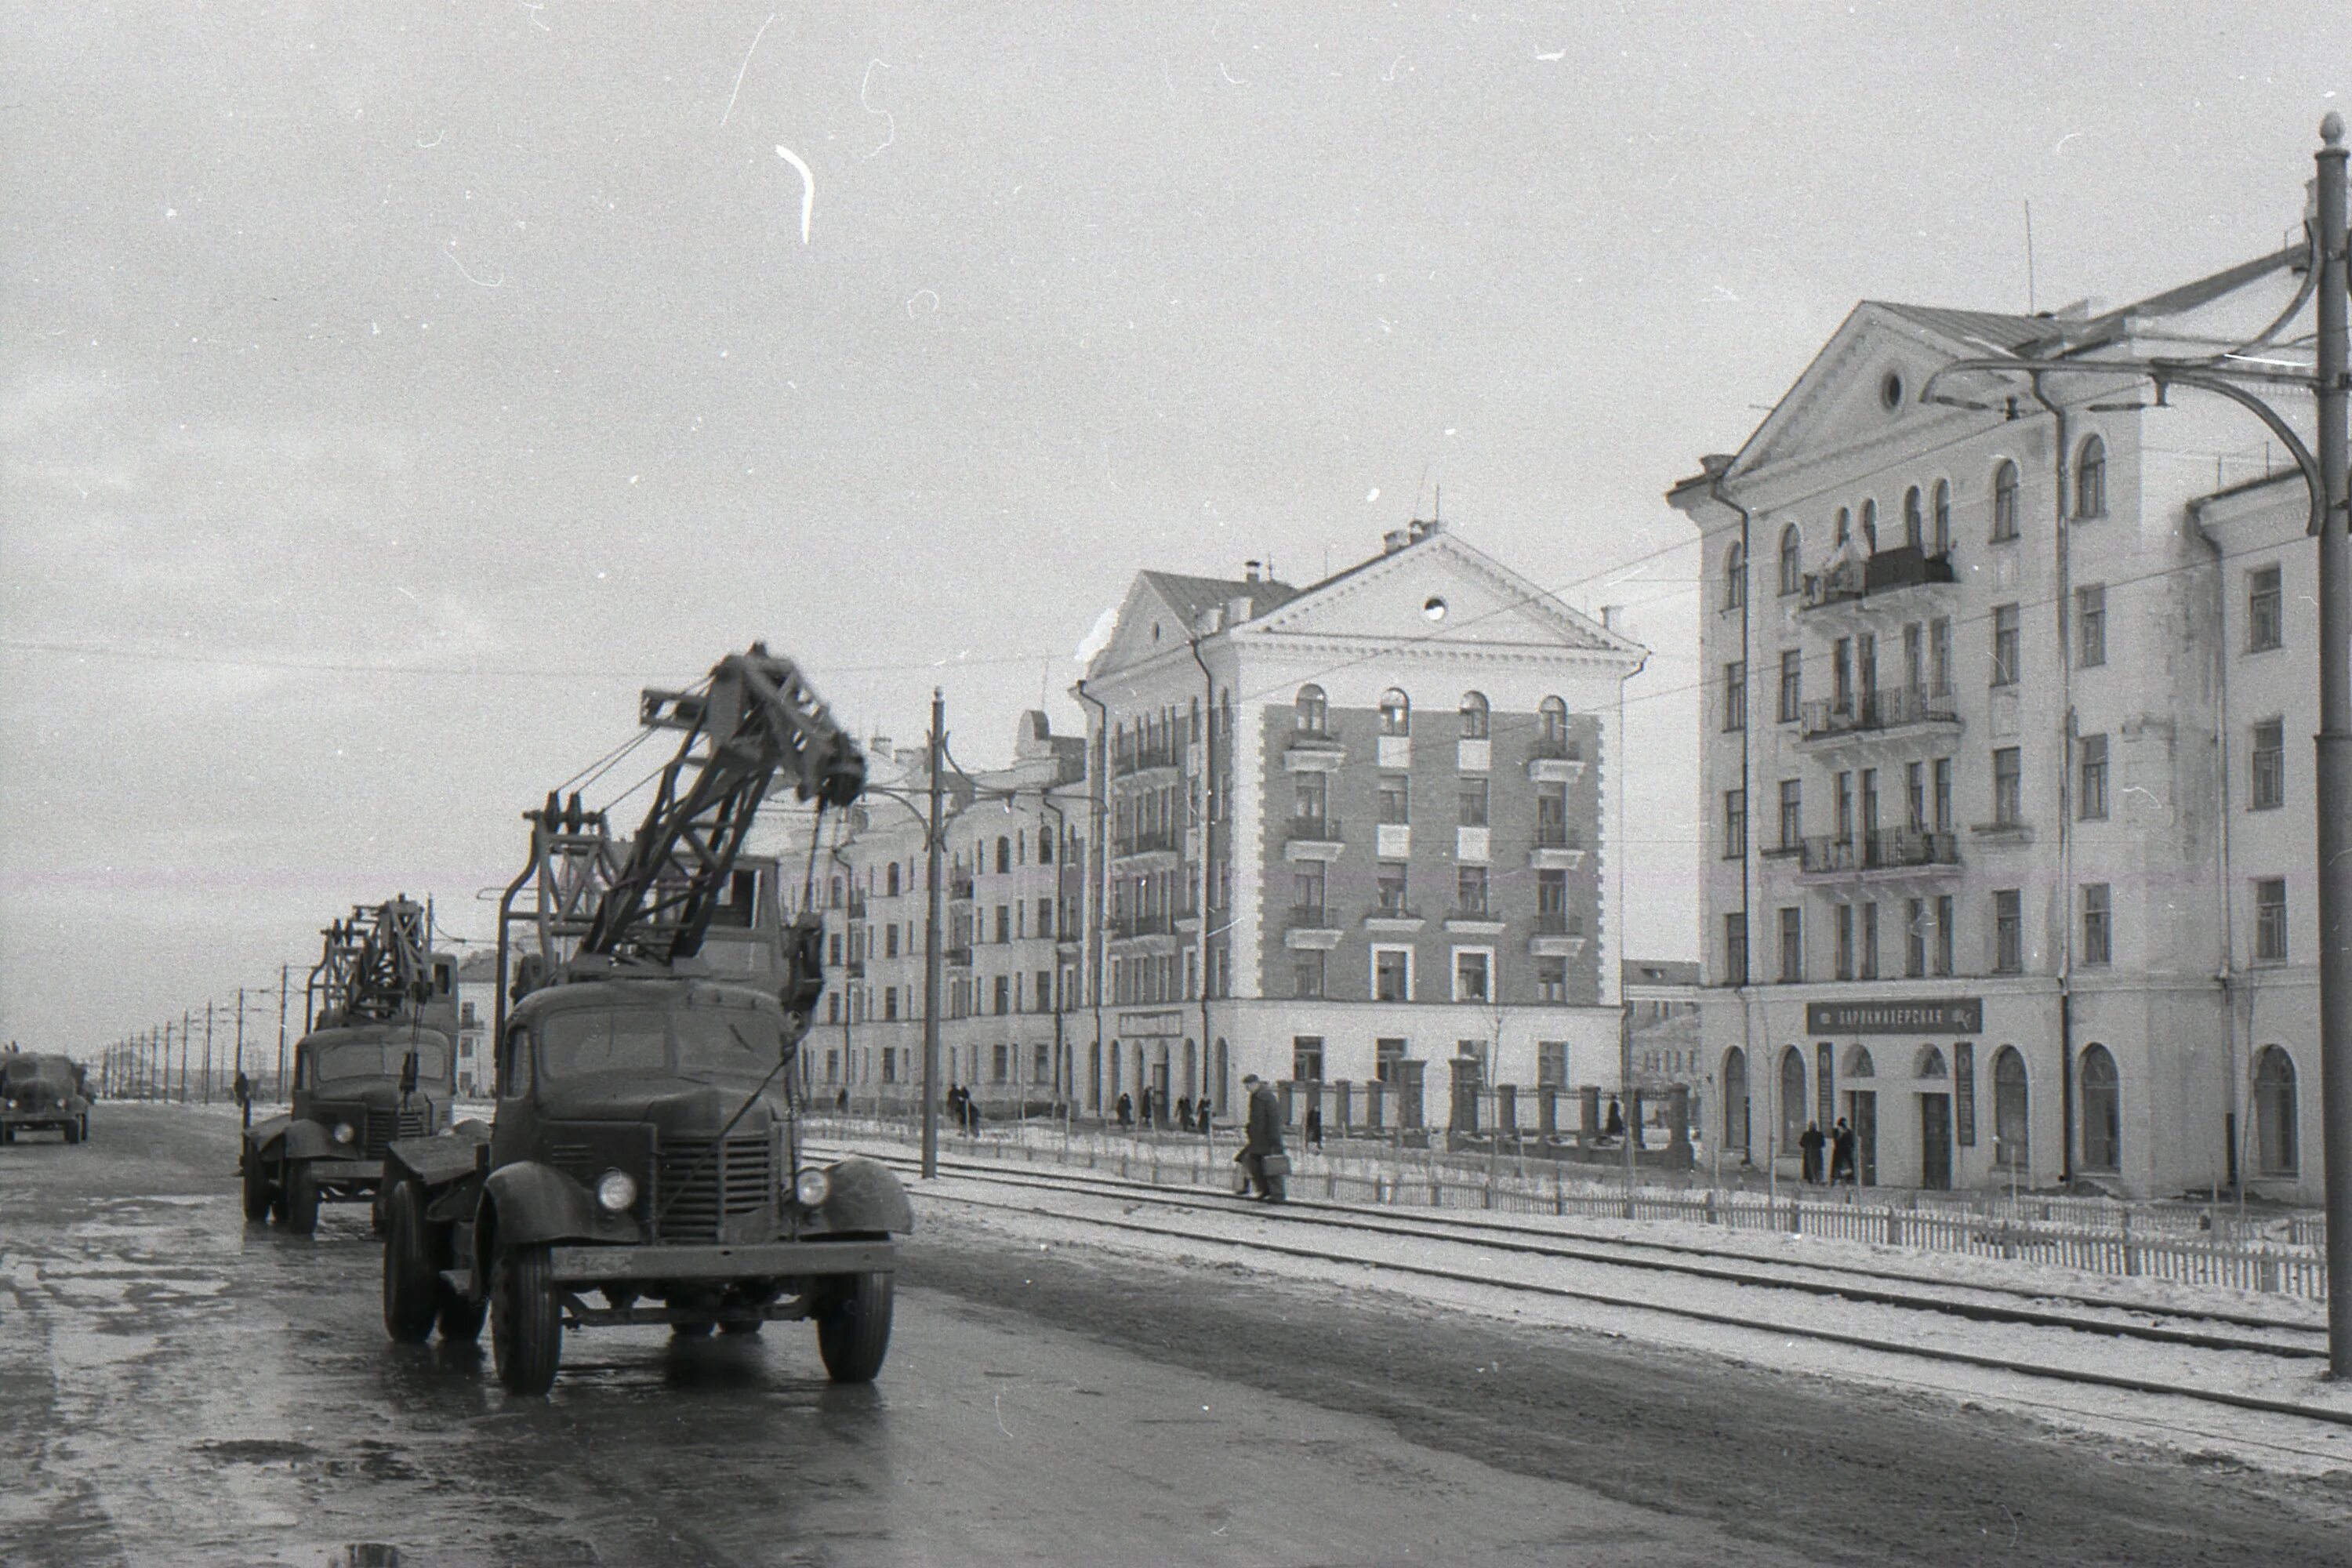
(2006, 758)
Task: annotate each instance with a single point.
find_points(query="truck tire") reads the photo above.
(72, 1131)
(85, 1126)
(412, 1281)
(300, 1204)
(526, 1320)
(853, 1330)
(742, 1326)
(461, 1320)
(255, 1188)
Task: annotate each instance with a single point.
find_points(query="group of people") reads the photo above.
(1190, 1118)
(964, 1110)
(1841, 1145)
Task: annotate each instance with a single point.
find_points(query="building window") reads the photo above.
(1792, 685)
(1306, 973)
(2091, 615)
(2270, 920)
(1915, 938)
(2004, 500)
(1004, 993)
(1000, 1063)
(1474, 716)
(1794, 1112)
(1844, 955)
(1735, 695)
(1551, 903)
(1310, 712)
(1914, 519)
(1392, 974)
(1792, 945)
(1551, 719)
(890, 883)
(1472, 797)
(1942, 537)
(1944, 933)
(2103, 1128)
(1473, 968)
(2270, 765)
(2091, 479)
(1734, 577)
(1735, 823)
(1941, 774)
(2265, 610)
(890, 940)
(2274, 1113)
(1003, 855)
(1844, 528)
(1396, 798)
(2008, 931)
(1396, 713)
(1390, 881)
(889, 1002)
(1868, 968)
(1792, 813)
(1306, 882)
(1870, 524)
(1306, 1057)
(1551, 979)
(1735, 948)
(2098, 924)
(2090, 803)
(1793, 565)
(2008, 787)
(1842, 676)
(2011, 1141)
(1939, 657)
(1045, 927)
(1470, 891)
(2004, 645)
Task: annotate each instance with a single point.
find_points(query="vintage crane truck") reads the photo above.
(39, 1091)
(643, 1166)
(374, 1063)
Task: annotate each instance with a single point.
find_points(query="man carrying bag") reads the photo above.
(1262, 1158)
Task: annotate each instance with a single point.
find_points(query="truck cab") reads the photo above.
(43, 1093)
(643, 1166)
(357, 1087)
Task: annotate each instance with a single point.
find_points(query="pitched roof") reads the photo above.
(2007, 334)
(1190, 595)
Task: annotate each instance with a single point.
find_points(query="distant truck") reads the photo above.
(375, 1063)
(646, 1163)
(43, 1093)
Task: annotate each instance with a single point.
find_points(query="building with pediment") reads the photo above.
(2006, 756)
(1358, 838)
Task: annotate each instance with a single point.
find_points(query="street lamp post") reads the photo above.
(934, 956)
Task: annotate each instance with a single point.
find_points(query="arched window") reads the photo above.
(1792, 1100)
(1045, 851)
(2004, 500)
(2103, 1127)
(1793, 565)
(1474, 716)
(1396, 712)
(1929, 1063)
(1003, 854)
(1551, 713)
(1844, 525)
(1735, 577)
(1308, 710)
(1196, 720)
(1858, 1063)
(1914, 519)
(1734, 1101)
(2012, 1144)
(1942, 537)
(836, 892)
(890, 883)
(2091, 479)
(2274, 1113)
(1870, 526)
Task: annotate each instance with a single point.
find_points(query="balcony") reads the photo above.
(857, 906)
(1151, 922)
(1323, 740)
(1311, 927)
(1900, 708)
(1312, 838)
(1155, 841)
(1558, 935)
(1858, 579)
(1474, 920)
(1556, 760)
(1130, 760)
(1394, 920)
(959, 955)
(1886, 849)
(855, 969)
(959, 885)
(1557, 847)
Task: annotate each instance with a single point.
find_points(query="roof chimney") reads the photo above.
(1249, 571)
(1395, 539)
(1237, 608)
(1609, 614)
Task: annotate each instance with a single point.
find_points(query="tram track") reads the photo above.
(1757, 1276)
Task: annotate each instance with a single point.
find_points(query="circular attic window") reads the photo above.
(1434, 607)
(1890, 389)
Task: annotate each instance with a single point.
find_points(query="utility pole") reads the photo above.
(934, 959)
(284, 973)
(1625, 1090)
(240, 1032)
(2334, 792)
(187, 1039)
(208, 1053)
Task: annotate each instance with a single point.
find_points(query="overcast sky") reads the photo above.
(390, 390)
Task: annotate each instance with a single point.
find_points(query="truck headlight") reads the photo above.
(343, 1133)
(615, 1192)
(812, 1187)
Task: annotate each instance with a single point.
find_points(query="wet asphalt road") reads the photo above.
(177, 1386)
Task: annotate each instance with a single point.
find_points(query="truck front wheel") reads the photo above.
(257, 1192)
(411, 1284)
(853, 1329)
(526, 1320)
(301, 1201)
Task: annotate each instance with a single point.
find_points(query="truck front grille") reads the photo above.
(700, 1183)
(384, 1124)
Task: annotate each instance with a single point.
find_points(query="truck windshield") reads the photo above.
(384, 1058)
(712, 1045)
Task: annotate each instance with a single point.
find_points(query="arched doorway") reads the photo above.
(1735, 1103)
(2012, 1143)
(1792, 1100)
(2103, 1128)
(1224, 1098)
(2274, 1113)
(1192, 1079)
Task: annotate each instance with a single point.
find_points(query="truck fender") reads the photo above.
(535, 1202)
(262, 1136)
(435, 1161)
(867, 1196)
(308, 1141)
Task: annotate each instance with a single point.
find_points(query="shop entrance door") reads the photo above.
(1864, 1109)
(1936, 1141)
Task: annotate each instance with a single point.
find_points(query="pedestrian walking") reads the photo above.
(1809, 1147)
(1126, 1111)
(1314, 1127)
(971, 1116)
(1184, 1113)
(1262, 1156)
(1146, 1106)
(1201, 1111)
(1841, 1163)
(1616, 1127)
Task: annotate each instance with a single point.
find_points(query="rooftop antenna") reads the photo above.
(2029, 258)
(1437, 503)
